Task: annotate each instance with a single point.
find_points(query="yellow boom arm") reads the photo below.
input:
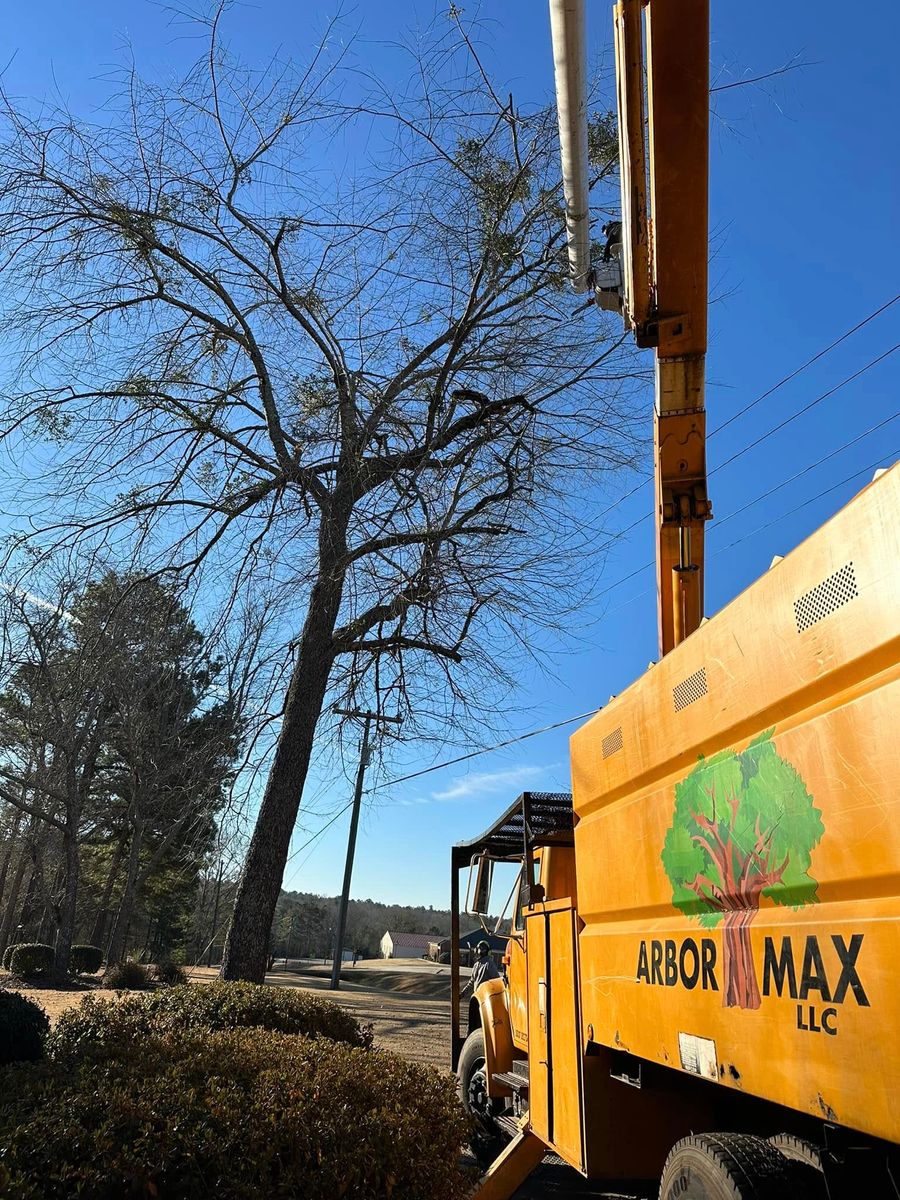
(664, 161)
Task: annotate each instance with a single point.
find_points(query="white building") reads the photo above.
(405, 945)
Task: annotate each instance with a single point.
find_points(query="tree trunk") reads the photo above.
(98, 933)
(26, 916)
(9, 912)
(7, 857)
(215, 917)
(116, 948)
(66, 930)
(247, 944)
(741, 987)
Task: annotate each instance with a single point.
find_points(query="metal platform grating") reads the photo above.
(540, 815)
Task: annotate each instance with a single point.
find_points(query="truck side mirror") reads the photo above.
(478, 898)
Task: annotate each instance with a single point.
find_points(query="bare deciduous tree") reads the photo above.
(359, 395)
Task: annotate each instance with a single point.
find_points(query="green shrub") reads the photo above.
(23, 1028)
(86, 960)
(169, 973)
(30, 960)
(240, 1005)
(102, 1027)
(234, 1115)
(7, 954)
(126, 976)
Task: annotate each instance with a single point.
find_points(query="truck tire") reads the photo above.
(471, 1081)
(805, 1163)
(797, 1149)
(727, 1166)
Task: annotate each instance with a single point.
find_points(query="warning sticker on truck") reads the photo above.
(698, 1055)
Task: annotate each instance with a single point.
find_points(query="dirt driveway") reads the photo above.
(409, 1009)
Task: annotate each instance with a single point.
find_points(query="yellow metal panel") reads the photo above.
(554, 1031)
(512, 1168)
(565, 1038)
(539, 1103)
(493, 1004)
(678, 102)
(557, 873)
(795, 999)
(518, 990)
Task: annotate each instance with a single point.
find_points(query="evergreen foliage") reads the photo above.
(23, 1028)
(86, 960)
(31, 960)
(235, 1115)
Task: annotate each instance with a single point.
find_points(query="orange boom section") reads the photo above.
(738, 837)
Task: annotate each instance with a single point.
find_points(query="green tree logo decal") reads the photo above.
(744, 827)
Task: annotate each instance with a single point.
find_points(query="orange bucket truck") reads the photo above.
(703, 981)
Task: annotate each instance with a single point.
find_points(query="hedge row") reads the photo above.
(86, 960)
(30, 959)
(235, 1115)
(100, 1027)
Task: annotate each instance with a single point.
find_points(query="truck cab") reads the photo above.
(490, 1033)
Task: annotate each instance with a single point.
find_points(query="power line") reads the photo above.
(806, 408)
(893, 455)
(764, 396)
(806, 470)
(862, 470)
(340, 812)
(787, 421)
(809, 362)
(437, 767)
(751, 446)
(450, 762)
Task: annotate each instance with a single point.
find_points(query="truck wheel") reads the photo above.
(797, 1149)
(471, 1082)
(804, 1163)
(727, 1166)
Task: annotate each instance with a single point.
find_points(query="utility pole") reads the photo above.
(368, 718)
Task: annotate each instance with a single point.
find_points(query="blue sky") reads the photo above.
(804, 216)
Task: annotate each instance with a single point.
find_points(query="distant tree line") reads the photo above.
(304, 925)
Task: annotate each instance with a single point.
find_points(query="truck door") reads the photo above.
(554, 1034)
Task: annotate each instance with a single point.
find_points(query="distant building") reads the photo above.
(346, 956)
(405, 945)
